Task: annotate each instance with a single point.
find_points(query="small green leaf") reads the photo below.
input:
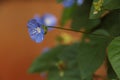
(46, 61)
(102, 32)
(114, 55)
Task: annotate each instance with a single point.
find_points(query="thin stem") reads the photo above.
(100, 35)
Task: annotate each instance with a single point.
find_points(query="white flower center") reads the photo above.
(38, 29)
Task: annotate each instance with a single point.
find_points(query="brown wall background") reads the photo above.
(17, 50)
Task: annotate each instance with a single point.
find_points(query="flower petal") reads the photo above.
(35, 30)
(49, 20)
(39, 38)
(32, 23)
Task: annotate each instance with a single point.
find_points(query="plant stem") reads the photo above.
(100, 35)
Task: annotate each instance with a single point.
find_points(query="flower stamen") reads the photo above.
(38, 29)
(97, 6)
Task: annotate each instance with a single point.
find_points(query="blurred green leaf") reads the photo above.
(111, 72)
(114, 55)
(107, 5)
(46, 61)
(80, 19)
(67, 75)
(102, 32)
(112, 4)
(72, 70)
(67, 14)
(77, 57)
(111, 23)
(92, 55)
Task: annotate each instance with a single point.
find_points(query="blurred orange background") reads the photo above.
(17, 50)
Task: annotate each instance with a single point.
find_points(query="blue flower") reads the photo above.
(38, 18)
(35, 30)
(49, 20)
(80, 2)
(69, 3)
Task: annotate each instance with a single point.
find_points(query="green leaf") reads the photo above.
(114, 55)
(71, 70)
(112, 4)
(67, 14)
(67, 75)
(102, 32)
(111, 72)
(80, 19)
(91, 55)
(46, 61)
(80, 56)
(111, 23)
(106, 5)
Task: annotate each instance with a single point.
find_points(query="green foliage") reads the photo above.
(46, 61)
(73, 56)
(106, 5)
(81, 59)
(111, 72)
(79, 16)
(114, 55)
(91, 56)
(67, 14)
(111, 23)
(80, 19)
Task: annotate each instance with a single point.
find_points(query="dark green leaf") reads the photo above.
(71, 71)
(82, 56)
(80, 19)
(111, 72)
(67, 14)
(114, 55)
(102, 32)
(67, 75)
(111, 23)
(112, 4)
(46, 61)
(92, 55)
